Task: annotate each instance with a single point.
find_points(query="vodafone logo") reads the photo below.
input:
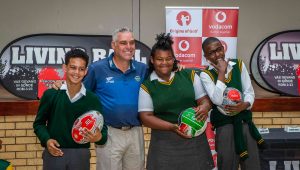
(224, 45)
(183, 45)
(220, 17)
(183, 18)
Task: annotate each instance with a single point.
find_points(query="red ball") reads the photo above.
(89, 120)
(230, 97)
(234, 95)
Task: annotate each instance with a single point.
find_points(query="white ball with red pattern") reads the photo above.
(230, 97)
(89, 120)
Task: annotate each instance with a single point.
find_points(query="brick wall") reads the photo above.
(22, 148)
(276, 119)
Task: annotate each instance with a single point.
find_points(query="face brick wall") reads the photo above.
(21, 147)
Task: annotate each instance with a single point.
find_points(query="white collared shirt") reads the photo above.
(215, 91)
(82, 92)
(145, 100)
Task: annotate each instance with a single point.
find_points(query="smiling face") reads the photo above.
(124, 46)
(75, 70)
(163, 62)
(214, 51)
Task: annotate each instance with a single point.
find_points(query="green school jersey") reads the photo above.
(171, 98)
(56, 115)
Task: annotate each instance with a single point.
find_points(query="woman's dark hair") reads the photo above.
(163, 42)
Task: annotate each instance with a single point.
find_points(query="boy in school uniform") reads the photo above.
(57, 112)
(237, 138)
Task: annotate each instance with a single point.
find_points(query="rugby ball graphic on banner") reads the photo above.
(230, 97)
(89, 120)
(189, 125)
(29, 65)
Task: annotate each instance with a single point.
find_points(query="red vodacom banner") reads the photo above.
(220, 22)
(188, 51)
(190, 26)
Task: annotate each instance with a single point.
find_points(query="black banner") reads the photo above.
(30, 64)
(275, 63)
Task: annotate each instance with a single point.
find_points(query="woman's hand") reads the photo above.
(204, 106)
(182, 134)
(201, 113)
(153, 122)
(175, 129)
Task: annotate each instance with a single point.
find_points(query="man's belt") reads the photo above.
(124, 128)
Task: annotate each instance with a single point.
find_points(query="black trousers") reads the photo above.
(73, 159)
(227, 157)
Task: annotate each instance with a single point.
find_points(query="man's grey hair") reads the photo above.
(118, 30)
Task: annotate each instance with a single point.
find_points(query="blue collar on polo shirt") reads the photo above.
(114, 67)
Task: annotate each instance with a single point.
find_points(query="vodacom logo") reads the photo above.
(220, 17)
(183, 18)
(224, 45)
(183, 45)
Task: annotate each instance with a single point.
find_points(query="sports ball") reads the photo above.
(230, 97)
(189, 125)
(89, 120)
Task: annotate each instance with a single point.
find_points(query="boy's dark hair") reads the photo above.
(76, 53)
(209, 40)
(163, 42)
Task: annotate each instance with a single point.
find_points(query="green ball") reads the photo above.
(188, 123)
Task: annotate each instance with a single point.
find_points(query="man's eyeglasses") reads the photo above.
(213, 52)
